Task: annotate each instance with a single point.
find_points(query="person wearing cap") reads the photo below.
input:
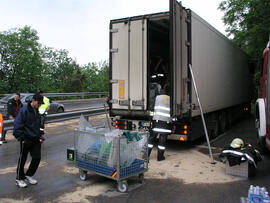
(43, 110)
(27, 132)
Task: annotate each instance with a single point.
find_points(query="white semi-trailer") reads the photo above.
(151, 51)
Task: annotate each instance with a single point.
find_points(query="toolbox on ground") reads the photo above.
(245, 169)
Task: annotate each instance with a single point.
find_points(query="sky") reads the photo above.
(82, 26)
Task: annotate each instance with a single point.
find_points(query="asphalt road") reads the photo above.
(185, 176)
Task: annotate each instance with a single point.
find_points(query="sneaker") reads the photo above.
(4, 141)
(31, 180)
(21, 183)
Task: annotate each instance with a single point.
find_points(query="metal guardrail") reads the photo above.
(76, 94)
(52, 118)
(71, 94)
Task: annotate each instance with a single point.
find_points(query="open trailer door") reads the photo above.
(128, 57)
(179, 53)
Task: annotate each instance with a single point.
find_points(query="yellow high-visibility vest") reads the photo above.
(43, 107)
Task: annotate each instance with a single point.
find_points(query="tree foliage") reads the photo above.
(19, 60)
(96, 77)
(26, 66)
(248, 23)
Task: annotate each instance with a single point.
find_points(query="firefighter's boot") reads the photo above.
(149, 151)
(160, 155)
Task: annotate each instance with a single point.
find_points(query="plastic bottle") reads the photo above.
(266, 198)
(250, 191)
(257, 190)
(263, 190)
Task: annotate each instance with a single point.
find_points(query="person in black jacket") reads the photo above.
(14, 106)
(27, 132)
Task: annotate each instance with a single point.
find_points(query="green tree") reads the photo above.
(248, 23)
(20, 61)
(61, 71)
(96, 77)
(26, 65)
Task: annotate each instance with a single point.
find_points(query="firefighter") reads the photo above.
(43, 111)
(161, 124)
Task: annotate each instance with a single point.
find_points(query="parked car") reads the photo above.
(55, 107)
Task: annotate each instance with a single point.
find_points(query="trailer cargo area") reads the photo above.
(145, 59)
(151, 52)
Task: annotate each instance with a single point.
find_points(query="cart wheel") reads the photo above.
(122, 186)
(83, 174)
(141, 178)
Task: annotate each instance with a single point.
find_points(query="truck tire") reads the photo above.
(214, 129)
(229, 120)
(212, 125)
(222, 122)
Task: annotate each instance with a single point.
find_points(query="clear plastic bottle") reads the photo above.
(263, 190)
(250, 191)
(266, 198)
(257, 190)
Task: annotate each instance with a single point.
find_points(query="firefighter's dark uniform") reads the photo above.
(161, 125)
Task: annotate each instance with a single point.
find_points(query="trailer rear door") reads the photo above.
(179, 48)
(128, 64)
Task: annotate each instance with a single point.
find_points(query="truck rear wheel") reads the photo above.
(213, 125)
(229, 120)
(214, 130)
(222, 122)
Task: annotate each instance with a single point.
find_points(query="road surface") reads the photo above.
(185, 176)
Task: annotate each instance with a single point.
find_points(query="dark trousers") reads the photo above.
(3, 133)
(162, 139)
(34, 148)
(161, 144)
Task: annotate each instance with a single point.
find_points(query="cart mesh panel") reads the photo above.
(106, 154)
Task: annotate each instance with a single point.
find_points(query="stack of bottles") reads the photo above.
(258, 194)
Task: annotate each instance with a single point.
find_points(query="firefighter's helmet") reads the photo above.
(237, 143)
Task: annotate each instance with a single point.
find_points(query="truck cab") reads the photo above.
(262, 107)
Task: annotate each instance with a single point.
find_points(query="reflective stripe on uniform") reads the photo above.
(162, 130)
(162, 108)
(162, 114)
(161, 147)
(240, 154)
(150, 145)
